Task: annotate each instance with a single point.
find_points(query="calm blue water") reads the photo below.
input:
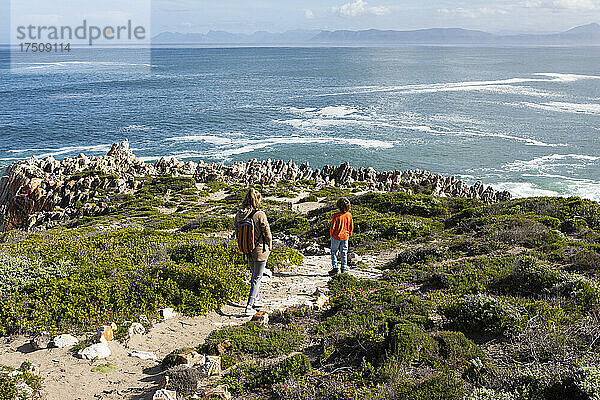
(522, 119)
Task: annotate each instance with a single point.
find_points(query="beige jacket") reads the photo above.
(262, 233)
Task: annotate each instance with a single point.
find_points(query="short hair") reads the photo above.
(252, 199)
(343, 204)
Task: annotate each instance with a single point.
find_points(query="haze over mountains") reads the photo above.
(581, 35)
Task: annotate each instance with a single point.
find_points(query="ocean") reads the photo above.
(522, 119)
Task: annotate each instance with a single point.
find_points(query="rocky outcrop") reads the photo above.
(37, 193)
(270, 172)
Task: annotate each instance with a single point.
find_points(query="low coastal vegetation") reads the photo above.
(475, 301)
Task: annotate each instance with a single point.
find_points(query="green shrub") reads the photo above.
(361, 316)
(289, 368)
(456, 349)
(585, 260)
(481, 313)
(585, 292)
(582, 384)
(489, 394)
(253, 338)
(550, 222)
(207, 225)
(530, 276)
(113, 290)
(294, 224)
(159, 185)
(369, 227)
(404, 204)
(282, 257)
(16, 271)
(468, 276)
(92, 173)
(11, 379)
(309, 199)
(557, 207)
(421, 255)
(587, 380)
(250, 376)
(444, 386)
(571, 226)
(410, 343)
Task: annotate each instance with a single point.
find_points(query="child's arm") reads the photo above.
(331, 226)
(350, 226)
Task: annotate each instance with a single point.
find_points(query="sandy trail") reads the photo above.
(69, 378)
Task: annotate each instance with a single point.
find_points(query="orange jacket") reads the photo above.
(341, 226)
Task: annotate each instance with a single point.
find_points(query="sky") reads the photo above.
(280, 15)
(246, 16)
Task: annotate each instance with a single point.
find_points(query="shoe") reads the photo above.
(344, 271)
(268, 273)
(249, 311)
(334, 271)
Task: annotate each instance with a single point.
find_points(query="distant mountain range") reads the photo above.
(581, 35)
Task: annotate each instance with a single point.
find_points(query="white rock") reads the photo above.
(144, 355)
(321, 301)
(24, 389)
(168, 313)
(136, 329)
(164, 394)
(62, 341)
(98, 350)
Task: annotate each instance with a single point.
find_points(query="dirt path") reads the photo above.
(69, 378)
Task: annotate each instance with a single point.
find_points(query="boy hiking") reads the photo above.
(340, 231)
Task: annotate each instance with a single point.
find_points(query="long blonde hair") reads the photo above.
(252, 199)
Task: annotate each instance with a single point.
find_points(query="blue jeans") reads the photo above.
(342, 246)
(258, 269)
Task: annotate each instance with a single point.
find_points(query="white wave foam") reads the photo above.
(135, 128)
(455, 119)
(551, 162)
(148, 159)
(527, 141)
(221, 139)
(563, 187)
(313, 124)
(228, 147)
(586, 189)
(506, 86)
(576, 108)
(64, 150)
(298, 110)
(566, 77)
(42, 65)
(337, 111)
(524, 189)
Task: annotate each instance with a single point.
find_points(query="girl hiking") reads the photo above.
(254, 239)
(340, 230)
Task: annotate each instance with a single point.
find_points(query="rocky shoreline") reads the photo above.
(38, 192)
